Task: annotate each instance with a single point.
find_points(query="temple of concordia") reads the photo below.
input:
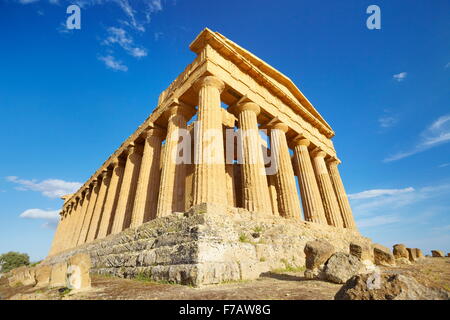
(197, 195)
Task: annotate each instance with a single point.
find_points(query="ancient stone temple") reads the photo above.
(232, 146)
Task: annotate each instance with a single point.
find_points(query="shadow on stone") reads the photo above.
(282, 276)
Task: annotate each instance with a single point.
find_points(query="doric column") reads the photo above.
(89, 212)
(332, 211)
(57, 237)
(173, 175)
(112, 198)
(209, 158)
(66, 232)
(96, 216)
(341, 195)
(64, 222)
(230, 185)
(80, 222)
(147, 191)
(255, 195)
(288, 201)
(77, 218)
(71, 222)
(272, 183)
(122, 218)
(311, 200)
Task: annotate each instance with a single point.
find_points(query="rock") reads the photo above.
(400, 251)
(22, 276)
(317, 253)
(383, 256)
(362, 251)
(341, 267)
(411, 254)
(78, 277)
(419, 253)
(437, 253)
(376, 286)
(43, 275)
(402, 261)
(58, 275)
(448, 254)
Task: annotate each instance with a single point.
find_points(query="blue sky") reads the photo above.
(69, 98)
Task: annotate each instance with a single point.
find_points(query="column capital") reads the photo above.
(210, 81)
(153, 132)
(318, 153)
(104, 174)
(279, 126)
(301, 140)
(179, 108)
(333, 161)
(248, 105)
(87, 191)
(117, 162)
(94, 183)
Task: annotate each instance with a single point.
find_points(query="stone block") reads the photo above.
(78, 277)
(383, 256)
(58, 275)
(437, 253)
(400, 251)
(362, 251)
(43, 274)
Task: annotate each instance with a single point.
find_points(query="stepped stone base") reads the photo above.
(209, 244)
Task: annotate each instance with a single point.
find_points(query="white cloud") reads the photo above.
(51, 188)
(40, 214)
(444, 165)
(436, 134)
(387, 121)
(400, 76)
(157, 35)
(378, 193)
(51, 217)
(447, 65)
(377, 221)
(122, 38)
(27, 1)
(376, 201)
(113, 64)
(62, 28)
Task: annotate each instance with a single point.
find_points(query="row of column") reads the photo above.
(135, 188)
(324, 199)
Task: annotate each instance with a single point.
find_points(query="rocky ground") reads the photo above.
(431, 272)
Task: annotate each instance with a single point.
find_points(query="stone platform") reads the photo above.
(208, 245)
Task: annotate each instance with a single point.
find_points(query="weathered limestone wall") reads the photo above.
(209, 244)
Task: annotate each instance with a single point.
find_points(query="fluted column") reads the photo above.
(254, 181)
(288, 201)
(173, 176)
(146, 201)
(78, 220)
(70, 223)
(62, 241)
(341, 195)
(57, 237)
(122, 218)
(98, 210)
(313, 209)
(112, 198)
(209, 176)
(89, 212)
(331, 206)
